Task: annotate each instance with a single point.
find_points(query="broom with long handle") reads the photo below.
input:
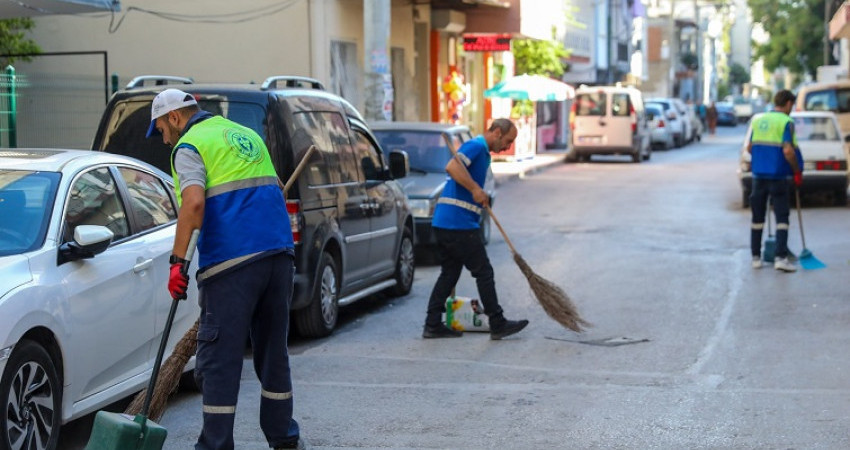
(172, 368)
(552, 298)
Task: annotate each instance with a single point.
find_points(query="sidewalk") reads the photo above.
(505, 171)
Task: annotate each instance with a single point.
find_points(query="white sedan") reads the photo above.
(84, 244)
(824, 156)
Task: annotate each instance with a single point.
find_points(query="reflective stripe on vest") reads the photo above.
(460, 204)
(244, 211)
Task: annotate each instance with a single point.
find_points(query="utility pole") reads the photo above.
(700, 72)
(827, 12)
(378, 78)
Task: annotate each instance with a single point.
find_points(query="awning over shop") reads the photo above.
(839, 26)
(532, 87)
(10, 9)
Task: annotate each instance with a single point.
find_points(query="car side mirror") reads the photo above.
(89, 240)
(399, 164)
(847, 138)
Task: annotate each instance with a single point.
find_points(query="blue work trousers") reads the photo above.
(253, 301)
(459, 249)
(777, 191)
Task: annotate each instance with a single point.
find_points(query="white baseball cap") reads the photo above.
(165, 102)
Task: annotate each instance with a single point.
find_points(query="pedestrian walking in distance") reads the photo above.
(775, 158)
(455, 223)
(711, 118)
(227, 187)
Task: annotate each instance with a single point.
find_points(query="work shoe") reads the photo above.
(440, 331)
(784, 265)
(756, 262)
(300, 445)
(506, 328)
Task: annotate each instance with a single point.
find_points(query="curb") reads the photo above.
(507, 172)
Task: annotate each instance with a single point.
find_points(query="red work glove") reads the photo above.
(798, 179)
(177, 282)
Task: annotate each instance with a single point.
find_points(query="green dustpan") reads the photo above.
(768, 251)
(114, 431)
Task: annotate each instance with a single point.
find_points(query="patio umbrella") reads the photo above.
(532, 87)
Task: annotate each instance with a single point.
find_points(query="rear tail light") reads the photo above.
(660, 123)
(831, 165)
(634, 118)
(573, 116)
(293, 207)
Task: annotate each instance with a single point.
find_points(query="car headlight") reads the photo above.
(422, 207)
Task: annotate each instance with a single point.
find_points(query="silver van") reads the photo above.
(608, 120)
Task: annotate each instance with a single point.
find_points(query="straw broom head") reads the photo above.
(552, 298)
(169, 376)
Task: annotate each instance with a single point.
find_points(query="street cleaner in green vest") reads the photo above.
(227, 188)
(775, 158)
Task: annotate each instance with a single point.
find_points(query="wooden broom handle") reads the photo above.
(490, 211)
(298, 169)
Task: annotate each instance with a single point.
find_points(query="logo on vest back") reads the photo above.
(244, 145)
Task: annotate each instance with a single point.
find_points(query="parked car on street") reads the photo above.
(675, 120)
(660, 134)
(682, 109)
(608, 120)
(742, 107)
(824, 156)
(351, 222)
(428, 146)
(827, 96)
(85, 239)
(726, 114)
(696, 123)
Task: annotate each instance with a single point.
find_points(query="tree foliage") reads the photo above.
(13, 39)
(539, 57)
(738, 74)
(796, 29)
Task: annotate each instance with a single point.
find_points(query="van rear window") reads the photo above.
(591, 104)
(129, 121)
(835, 100)
(620, 105)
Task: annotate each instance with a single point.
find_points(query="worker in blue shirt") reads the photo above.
(456, 228)
(775, 158)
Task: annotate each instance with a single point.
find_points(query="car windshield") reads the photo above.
(129, 121)
(815, 129)
(426, 150)
(835, 100)
(26, 202)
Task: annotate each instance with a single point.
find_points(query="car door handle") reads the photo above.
(144, 265)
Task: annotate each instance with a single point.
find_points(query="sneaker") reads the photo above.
(756, 262)
(784, 265)
(507, 328)
(440, 331)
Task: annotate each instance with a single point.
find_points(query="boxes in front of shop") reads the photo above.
(465, 314)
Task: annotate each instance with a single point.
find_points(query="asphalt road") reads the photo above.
(690, 348)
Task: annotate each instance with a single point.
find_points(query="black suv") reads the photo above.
(350, 217)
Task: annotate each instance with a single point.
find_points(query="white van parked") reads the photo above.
(830, 96)
(608, 120)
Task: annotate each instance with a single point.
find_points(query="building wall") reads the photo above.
(146, 44)
(245, 44)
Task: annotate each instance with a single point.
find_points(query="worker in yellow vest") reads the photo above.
(227, 188)
(775, 158)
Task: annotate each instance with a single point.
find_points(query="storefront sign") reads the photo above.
(487, 42)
